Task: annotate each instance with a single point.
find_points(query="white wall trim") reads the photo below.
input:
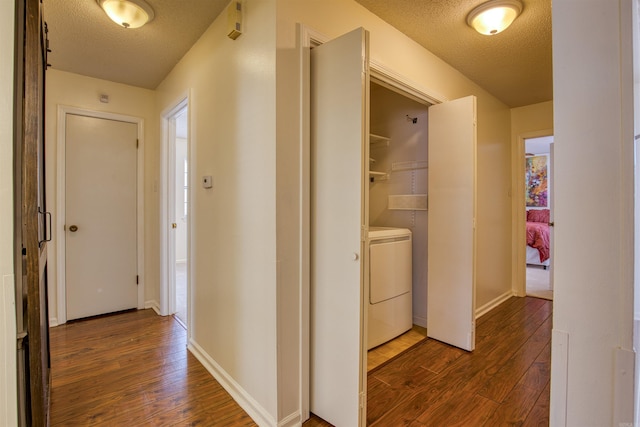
(481, 311)
(560, 372)
(291, 420)
(385, 76)
(154, 305)
(519, 239)
(259, 414)
(167, 248)
(63, 110)
(8, 369)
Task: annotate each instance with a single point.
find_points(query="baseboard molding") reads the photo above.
(153, 304)
(244, 399)
(53, 322)
(292, 420)
(480, 311)
(420, 321)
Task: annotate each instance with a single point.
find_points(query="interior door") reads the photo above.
(100, 216)
(451, 222)
(339, 147)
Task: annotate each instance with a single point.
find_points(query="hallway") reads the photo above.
(133, 368)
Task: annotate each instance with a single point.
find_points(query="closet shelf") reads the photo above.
(378, 140)
(409, 166)
(375, 176)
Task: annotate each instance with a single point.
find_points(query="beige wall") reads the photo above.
(8, 381)
(83, 92)
(592, 385)
(231, 85)
(526, 122)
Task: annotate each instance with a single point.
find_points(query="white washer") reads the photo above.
(390, 300)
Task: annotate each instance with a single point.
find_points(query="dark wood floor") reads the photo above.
(134, 369)
(504, 382)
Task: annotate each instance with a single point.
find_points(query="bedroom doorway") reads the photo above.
(539, 216)
(175, 202)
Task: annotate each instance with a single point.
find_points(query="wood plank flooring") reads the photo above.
(504, 382)
(387, 351)
(133, 369)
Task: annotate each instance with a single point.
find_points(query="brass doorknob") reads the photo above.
(73, 228)
(174, 225)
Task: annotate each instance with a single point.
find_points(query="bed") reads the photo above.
(538, 237)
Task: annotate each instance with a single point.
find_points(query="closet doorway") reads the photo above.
(340, 176)
(538, 176)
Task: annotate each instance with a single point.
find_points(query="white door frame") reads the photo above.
(167, 202)
(519, 258)
(63, 110)
(309, 38)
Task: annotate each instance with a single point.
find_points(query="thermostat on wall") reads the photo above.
(207, 181)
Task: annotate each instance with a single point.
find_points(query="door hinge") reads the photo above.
(363, 399)
(137, 143)
(137, 280)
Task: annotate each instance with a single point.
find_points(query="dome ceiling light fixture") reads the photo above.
(127, 13)
(494, 16)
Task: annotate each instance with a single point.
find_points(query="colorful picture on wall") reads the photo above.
(537, 182)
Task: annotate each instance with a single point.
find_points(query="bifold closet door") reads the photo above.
(451, 222)
(339, 129)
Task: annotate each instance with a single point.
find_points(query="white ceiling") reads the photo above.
(515, 65)
(85, 41)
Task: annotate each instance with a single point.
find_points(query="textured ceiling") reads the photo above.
(515, 65)
(85, 41)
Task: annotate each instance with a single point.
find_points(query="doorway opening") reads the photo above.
(181, 199)
(341, 175)
(175, 226)
(538, 176)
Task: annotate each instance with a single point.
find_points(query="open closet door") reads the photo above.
(452, 213)
(339, 138)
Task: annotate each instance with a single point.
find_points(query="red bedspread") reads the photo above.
(538, 237)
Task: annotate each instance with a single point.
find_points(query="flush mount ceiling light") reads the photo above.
(127, 13)
(494, 16)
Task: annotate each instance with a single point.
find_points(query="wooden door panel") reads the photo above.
(32, 214)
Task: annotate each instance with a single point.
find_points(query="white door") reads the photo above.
(339, 147)
(100, 216)
(452, 212)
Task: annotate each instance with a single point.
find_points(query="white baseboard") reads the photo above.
(155, 305)
(244, 399)
(292, 420)
(480, 311)
(420, 321)
(53, 322)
